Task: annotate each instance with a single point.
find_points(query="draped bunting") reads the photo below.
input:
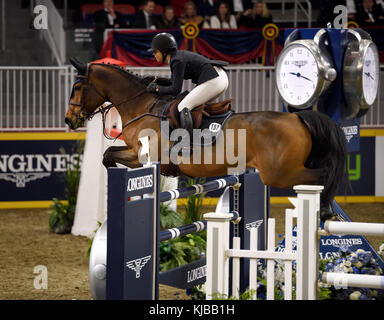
(233, 46)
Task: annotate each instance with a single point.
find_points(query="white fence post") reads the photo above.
(308, 208)
(217, 260)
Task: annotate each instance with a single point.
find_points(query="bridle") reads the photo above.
(104, 108)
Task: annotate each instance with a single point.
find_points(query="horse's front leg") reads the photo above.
(122, 155)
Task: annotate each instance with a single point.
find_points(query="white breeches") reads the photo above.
(206, 91)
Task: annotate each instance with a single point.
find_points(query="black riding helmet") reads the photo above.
(164, 42)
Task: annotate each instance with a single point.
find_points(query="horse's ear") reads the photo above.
(81, 67)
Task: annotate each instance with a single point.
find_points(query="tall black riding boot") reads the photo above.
(186, 123)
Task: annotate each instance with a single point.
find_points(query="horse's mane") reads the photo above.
(143, 81)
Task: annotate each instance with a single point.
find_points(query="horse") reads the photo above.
(287, 149)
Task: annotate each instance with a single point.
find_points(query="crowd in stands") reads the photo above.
(152, 14)
(365, 12)
(173, 14)
(217, 14)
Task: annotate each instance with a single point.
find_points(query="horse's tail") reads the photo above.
(329, 151)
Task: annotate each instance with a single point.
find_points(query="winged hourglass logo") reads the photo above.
(21, 178)
(138, 264)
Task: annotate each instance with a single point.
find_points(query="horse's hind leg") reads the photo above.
(120, 155)
(303, 175)
(316, 177)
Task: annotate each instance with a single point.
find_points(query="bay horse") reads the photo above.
(286, 148)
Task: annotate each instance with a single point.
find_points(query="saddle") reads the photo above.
(214, 110)
(210, 116)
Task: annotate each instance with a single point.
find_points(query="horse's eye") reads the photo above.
(77, 88)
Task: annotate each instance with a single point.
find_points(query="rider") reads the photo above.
(210, 78)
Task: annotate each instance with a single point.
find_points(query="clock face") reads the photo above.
(297, 75)
(370, 75)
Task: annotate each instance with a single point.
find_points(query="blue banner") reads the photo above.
(34, 170)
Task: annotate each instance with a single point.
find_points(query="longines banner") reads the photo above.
(32, 166)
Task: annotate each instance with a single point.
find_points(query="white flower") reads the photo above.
(355, 295)
(347, 263)
(360, 251)
(347, 270)
(381, 248)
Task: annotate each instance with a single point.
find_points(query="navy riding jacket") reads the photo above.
(189, 65)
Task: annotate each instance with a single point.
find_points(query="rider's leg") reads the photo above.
(199, 95)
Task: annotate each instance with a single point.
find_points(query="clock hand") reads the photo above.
(306, 78)
(369, 75)
(300, 76)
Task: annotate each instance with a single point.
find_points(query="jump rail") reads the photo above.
(353, 280)
(356, 228)
(198, 188)
(344, 280)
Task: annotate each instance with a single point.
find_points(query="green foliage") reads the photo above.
(177, 252)
(90, 241)
(169, 218)
(62, 214)
(193, 209)
(59, 219)
(246, 295)
(324, 293)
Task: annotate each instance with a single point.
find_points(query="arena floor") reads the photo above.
(25, 242)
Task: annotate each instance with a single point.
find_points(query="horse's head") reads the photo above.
(85, 97)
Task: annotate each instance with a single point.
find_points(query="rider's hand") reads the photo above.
(153, 88)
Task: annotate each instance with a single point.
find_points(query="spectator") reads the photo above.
(206, 8)
(223, 18)
(178, 6)
(190, 15)
(168, 19)
(327, 15)
(145, 19)
(237, 7)
(369, 14)
(257, 17)
(106, 19)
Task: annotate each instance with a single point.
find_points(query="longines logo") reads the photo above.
(138, 264)
(23, 168)
(140, 183)
(299, 63)
(341, 242)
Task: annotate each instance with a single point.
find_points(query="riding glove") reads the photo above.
(153, 88)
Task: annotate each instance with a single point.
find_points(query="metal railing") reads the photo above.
(36, 98)
(307, 12)
(298, 7)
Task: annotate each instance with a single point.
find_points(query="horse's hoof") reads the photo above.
(326, 214)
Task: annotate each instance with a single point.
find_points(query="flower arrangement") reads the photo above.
(359, 262)
(381, 251)
(346, 261)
